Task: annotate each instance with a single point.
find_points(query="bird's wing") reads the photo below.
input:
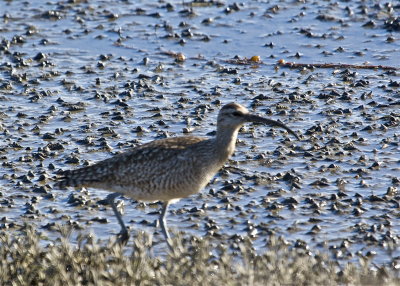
(139, 164)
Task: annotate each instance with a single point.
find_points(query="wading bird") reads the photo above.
(166, 169)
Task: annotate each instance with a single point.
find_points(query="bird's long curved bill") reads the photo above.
(270, 122)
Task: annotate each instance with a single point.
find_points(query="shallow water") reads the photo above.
(117, 65)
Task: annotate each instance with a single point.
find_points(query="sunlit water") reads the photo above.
(95, 55)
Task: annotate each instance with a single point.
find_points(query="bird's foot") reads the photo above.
(123, 237)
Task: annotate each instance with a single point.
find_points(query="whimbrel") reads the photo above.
(166, 169)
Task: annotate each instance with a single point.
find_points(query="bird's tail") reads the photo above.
(71, 178)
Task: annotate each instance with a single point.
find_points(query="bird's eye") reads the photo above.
(236, 113)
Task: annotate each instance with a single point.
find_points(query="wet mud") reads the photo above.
(84, 80)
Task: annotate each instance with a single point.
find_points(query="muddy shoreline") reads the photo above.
(82, 81)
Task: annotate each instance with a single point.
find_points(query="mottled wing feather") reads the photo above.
(130, 167)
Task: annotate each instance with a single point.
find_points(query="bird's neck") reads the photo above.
(225, 143)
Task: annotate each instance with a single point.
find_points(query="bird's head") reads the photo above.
(234, 115)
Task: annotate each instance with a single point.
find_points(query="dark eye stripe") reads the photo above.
(237, 113)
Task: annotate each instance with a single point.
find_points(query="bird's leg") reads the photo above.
(163, 224)
(124, 232)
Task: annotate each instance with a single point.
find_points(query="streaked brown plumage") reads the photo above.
(166, 169)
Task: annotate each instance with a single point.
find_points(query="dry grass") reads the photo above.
(26, 261)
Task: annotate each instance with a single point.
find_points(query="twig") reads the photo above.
(283, 63)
